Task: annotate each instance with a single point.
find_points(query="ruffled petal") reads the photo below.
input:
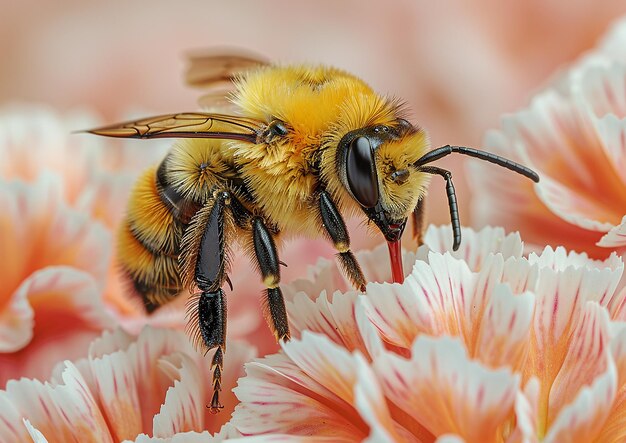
(68, 314)
(65, 412)
(616, 237)
(575, 208)
(505, 329)
(181, 411)
(34, 433)
(335, 319)
(306, 389)
(370, 402)
(586, 357)
(603, 93)
(440, 388)
(475, 247)
(435, 299)
(586, 415)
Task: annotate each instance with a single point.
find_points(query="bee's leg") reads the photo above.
(418, 221)
(269, 265)
(204, 260)
(335, 227)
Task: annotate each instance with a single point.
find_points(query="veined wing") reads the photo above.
(214, 70)
(187, 125)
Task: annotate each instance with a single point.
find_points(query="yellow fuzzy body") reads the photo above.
(276, 178)
(319, 105)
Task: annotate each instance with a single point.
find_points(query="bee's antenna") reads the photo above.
(452, 204)
(438, 153)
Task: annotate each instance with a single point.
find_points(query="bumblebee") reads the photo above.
(301, 148)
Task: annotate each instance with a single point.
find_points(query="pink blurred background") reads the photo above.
(459, 65)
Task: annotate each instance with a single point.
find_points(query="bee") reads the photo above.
(300, 149)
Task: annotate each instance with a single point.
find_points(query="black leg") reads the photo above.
(203, 263)
(335, 227)
(418, 221)
(452, 204)
(269, 265)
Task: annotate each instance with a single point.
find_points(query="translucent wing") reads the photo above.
(214, 71)
(211, 68)
(187, 125)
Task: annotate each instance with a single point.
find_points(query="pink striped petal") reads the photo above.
(336, 319)
(505, 329)
(475, 247)
(117, 392)
(616, 237)
(586, 357)
(441, 389)
(306, 389)
(65, 412)
(434, 299)
(371, 404)
(586, 415)
(181, 410)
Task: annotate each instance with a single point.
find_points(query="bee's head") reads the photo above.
(375, 165)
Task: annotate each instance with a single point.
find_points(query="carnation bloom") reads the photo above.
(479, 345)
(152, 384)
(54, 262)
(573, 134)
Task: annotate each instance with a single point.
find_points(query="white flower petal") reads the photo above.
(335, 319)
(434, 299)
(571, 206)
(117, 387)
(616, 237)
(370, 402)
(35, 434)
(475, 247)
(181, 410)
(505, 328)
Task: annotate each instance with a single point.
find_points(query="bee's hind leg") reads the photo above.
(269, 265)
(203, 263)
(335, 228)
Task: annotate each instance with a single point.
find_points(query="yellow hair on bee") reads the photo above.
(156, 272)
(149, 219)
(307, 96)
(400, 198)
(196, 165)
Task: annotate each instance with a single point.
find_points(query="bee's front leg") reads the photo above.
(269, 265)
(335, 227)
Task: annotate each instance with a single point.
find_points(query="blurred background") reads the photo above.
(458, 64)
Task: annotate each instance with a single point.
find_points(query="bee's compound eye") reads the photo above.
(361, 172)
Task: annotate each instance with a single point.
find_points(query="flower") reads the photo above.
(54, 262)
(573, 135)
(127, 386)
(479, 345)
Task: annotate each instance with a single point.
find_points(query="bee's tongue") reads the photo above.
(395, 257)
